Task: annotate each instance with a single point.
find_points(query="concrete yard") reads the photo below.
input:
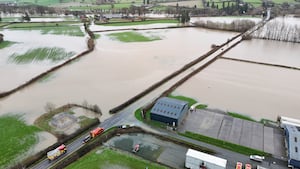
(235, 130)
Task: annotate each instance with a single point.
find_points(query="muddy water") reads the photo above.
(115, 71)
(16, 74)
(255, 90)
(267, 51)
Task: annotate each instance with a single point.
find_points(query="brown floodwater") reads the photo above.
(115, 71)
(14, 74)
(258, 91)
(267, 51)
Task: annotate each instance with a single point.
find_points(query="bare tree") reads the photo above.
(97, 109)
(49, 107)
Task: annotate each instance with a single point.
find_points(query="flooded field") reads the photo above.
(114, 72)
(267, 51)
(151, 148)
(255, 90)
(16, 74)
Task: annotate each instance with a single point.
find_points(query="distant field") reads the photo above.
(107, 158)
(40, 54)
(282, 1)
(50, 28)
(38, 2)
(147, 22)
(132, 37)
(103, 7)
(16, 138)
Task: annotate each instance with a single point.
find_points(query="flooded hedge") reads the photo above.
(237, 25)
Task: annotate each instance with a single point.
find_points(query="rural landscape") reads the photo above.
(148, 84)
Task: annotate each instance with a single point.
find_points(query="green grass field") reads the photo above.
(99, 7)
(132, 37)
(40, 54)
(16, 138)
(5, 44)
(107, 158)
(147, 22)
(63, 28)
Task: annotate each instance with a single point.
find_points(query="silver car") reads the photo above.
(257, 158)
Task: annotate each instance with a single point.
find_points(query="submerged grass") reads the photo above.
(40, 54)
(147, 22)
(16, 138)
(62, 28)
(133, 37)
(5, 44)
(105, 158)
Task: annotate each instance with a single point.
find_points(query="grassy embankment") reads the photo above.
(16, 138)
(223, 144)
(132, 37)
(59, 28)
(38, 2)
(40, 54)
(107, 158)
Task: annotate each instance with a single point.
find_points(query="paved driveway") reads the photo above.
(235, 130)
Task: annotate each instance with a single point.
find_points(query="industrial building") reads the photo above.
(292, 138)
(169, 110)
(196, 159)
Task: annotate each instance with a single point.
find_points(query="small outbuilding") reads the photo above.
(169, 110)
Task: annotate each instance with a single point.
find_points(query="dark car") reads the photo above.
(86, 139)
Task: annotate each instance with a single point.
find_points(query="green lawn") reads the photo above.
(63, 28)
(107, 158)
(132, 37)
(15, 138)
(5, 44)
(40, 54)
(147, 22)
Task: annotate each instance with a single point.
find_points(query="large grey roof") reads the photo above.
(169, 107)
(294, 142)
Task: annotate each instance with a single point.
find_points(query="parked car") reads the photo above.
(257, 158)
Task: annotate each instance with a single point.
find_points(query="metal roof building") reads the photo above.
(195, 159)
(169, 110)
(293, 145)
